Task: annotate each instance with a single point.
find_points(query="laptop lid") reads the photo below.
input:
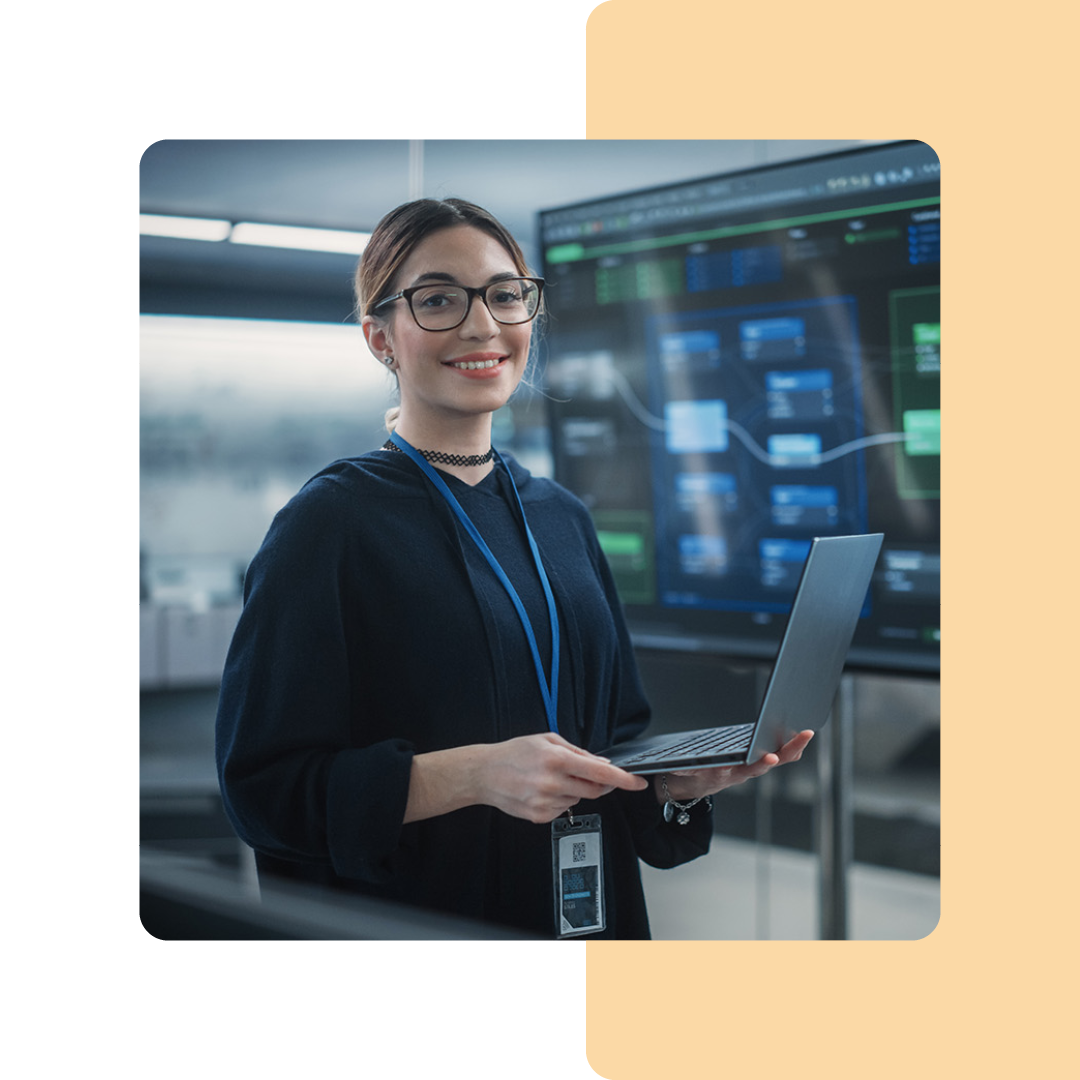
(808, 666)
(816, 640)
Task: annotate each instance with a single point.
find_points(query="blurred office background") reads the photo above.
(254, 375)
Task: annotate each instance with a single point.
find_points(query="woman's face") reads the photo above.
(438, 372)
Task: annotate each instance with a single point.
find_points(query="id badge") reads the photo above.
(578, 864)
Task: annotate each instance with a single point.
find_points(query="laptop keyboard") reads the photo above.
(712, 742)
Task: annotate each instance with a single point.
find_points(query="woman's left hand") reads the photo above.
(696, 783)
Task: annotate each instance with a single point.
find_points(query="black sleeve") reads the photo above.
(294, 781)
(661, 843)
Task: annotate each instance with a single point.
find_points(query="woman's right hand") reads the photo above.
(539, 777)
(535, 777)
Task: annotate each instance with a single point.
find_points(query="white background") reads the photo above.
(93, 87)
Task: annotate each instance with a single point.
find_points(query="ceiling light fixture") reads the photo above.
(184, 228)
(291, 236)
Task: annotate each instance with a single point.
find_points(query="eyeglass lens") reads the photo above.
(440, 307)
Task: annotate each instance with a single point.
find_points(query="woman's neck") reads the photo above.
(469, 438)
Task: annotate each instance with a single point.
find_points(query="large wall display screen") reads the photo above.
(740, 363)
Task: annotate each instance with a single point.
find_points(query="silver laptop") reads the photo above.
(804, 678)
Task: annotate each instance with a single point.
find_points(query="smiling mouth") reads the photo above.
(475, 365)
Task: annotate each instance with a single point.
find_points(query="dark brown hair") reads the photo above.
(402, 229)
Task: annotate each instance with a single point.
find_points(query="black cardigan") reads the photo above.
(372, 629)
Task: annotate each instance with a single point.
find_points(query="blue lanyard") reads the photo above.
(549, 690)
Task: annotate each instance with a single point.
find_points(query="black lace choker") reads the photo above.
(461, 460)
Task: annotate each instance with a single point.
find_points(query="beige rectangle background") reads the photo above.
(990, 992)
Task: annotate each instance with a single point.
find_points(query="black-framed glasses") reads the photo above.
(443, 306)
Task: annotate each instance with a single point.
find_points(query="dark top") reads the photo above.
(373, 629)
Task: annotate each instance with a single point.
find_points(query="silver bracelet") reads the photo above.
(684, 809)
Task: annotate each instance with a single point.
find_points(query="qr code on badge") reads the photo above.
(579, 851)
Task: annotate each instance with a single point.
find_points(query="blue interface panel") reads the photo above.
(751, 398)
(739, 363)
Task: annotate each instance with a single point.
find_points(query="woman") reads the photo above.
(402, 715)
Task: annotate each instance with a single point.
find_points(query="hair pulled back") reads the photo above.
(402, 229)
(399, 232)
